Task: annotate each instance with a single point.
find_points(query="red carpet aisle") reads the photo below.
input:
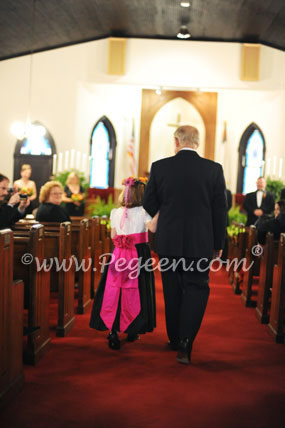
(236, 378)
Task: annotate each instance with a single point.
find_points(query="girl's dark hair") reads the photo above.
(281, 204)
(136, 197)
(3, 177)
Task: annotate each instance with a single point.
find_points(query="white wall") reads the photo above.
(71, 91)
(240, 109)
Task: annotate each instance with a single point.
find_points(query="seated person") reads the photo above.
(50, 200)
(258, 203)
(73, 196)
(275, 225)
(12, 208)
(25, 185)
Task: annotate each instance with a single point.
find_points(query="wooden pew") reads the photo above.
(58, 245)
(82, 251)
(11, 322)
(276, 326)
(105, 233)
(76, 220)
(37, 290)
(101, 243)
(267, 262)
(252, 258)
(96, 246)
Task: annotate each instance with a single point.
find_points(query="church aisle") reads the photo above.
(236, 377)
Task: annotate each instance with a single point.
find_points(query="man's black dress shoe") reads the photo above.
(172, 345)
(132, 337)
(184, 351)
(114, 342)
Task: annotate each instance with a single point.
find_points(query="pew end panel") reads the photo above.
(37, 283)
(276, 326)
(11, 322)
(268, 260)
(254, 261)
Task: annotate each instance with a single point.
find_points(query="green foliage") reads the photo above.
(101, 208)
(62, 177)
(275, 187)
(234, 230)
(236, 215)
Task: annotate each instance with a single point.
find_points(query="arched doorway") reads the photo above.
(175, 113)
(36, 150)
(103, 152)
(204, 102)
(251, 158)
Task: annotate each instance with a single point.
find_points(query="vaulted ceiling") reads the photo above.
(39, 25)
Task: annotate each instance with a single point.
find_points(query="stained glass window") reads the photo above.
(36, 144)
(100, 152)
(253, 161)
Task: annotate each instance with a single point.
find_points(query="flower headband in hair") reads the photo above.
(132, 181)
(129, 182)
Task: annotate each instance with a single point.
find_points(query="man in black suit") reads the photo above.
(13, 210)
(258, 203)
(189, 193)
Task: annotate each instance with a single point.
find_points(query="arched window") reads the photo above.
(103, 147)
(251, 159)
(36, 150)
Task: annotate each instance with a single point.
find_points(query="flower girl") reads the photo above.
(125, 298)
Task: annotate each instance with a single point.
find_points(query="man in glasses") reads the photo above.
(12, 208)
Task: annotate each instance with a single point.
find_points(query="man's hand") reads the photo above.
(24, 203)
(258, 212)
(217, 254)
(14, 200)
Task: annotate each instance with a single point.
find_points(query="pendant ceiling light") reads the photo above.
(26, 129)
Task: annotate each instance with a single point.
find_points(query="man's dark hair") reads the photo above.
(3, 177)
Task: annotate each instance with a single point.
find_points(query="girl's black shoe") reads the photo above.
(114, 342)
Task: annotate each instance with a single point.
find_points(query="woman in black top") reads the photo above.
(51, 198)
(274, 225)
(73, 196)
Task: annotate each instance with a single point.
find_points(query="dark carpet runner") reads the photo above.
(236, 379)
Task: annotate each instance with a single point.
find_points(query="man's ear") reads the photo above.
(176, 142)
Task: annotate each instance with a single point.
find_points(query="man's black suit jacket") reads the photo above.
(250, 205)
(190, 194)
(8, 216)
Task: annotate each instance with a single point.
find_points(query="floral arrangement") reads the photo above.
(77, 197)
(236, 217)
(26, 191)
(132, 181)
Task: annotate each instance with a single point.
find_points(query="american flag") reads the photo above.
(131, 151)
